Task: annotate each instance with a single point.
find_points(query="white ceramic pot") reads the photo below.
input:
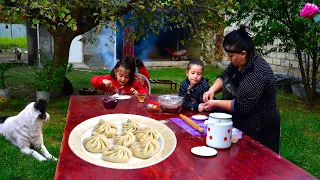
(219, 130)
(43, 95)
(4, 95)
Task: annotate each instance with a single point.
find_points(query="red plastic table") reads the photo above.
(247, 159)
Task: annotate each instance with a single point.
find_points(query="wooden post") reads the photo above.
(10, 31)
(128, 49)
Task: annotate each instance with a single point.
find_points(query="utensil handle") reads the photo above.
(191, 123)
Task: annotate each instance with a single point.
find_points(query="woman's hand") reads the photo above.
(133, 91)
(208, 95)
(210, 105)
(201, 107)
(107, 82)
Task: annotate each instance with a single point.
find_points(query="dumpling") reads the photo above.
(146, 148)
(96, 143)
(126, 139)
(147, 133)
(117, 154)
(130, 125)
(106, 128)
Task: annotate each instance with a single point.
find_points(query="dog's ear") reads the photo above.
(40, 105)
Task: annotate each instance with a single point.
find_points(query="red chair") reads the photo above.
(144, 81)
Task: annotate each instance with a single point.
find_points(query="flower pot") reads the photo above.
(4, 95)
(298, 90)
(43, 95)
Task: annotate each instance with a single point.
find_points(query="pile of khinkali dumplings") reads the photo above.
(141, 142)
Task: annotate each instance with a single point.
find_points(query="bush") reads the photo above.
(45, 79)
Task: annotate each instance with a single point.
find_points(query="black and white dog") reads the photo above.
(25, 129)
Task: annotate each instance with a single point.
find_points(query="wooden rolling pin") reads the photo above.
(191, 123)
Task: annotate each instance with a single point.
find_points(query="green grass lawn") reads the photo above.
(6, 42)
(300, 126)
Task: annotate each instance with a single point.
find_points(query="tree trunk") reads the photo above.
(62, 38)
(32, 44)
(314, 78)
(305, 80)
(62, 43)
(305, 74)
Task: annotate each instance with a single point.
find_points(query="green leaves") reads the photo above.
(35, 21)
(62, 15)
(67, 18)
(271, 21)
(46, 79)
(64, 9)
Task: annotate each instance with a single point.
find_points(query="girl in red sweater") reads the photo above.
(141, 68)
(121, 80)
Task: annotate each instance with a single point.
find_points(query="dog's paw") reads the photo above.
(52, 158)
(41, 158)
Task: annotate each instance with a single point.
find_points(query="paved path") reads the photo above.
(99, 64)
(150, 64)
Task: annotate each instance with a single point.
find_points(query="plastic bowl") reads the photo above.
(109, 103)
(170, 103)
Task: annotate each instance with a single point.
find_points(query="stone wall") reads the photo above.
(281, 62)
(46, 42)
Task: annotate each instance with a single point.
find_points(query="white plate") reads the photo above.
(204, 151)
(199, 117)
(167, 140)
(121, 97)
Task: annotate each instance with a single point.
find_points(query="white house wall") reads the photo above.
(99, 49)
(76, 50)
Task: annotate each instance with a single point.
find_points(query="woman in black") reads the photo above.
(248, 91)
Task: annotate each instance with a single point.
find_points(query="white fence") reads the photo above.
(13, 30)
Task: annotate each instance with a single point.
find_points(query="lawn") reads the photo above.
(300, 126)
(6, 42)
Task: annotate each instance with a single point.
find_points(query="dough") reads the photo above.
(106, 128)
(117, 154)
(130, 125)
(126, 139)
(96, 143)
(146, 148)
(147, 133)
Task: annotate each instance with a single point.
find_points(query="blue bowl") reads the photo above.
(109, 103)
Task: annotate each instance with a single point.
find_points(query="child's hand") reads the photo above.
(210, 105)
(133, 91)
(201, 107)
(140, 80)
(107, 82)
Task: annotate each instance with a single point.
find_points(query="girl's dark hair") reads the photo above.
(128, 63)
(195, 62)
(238, 40)
(139, 63)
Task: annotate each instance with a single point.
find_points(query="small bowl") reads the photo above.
(170, 103)
(109, 103)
